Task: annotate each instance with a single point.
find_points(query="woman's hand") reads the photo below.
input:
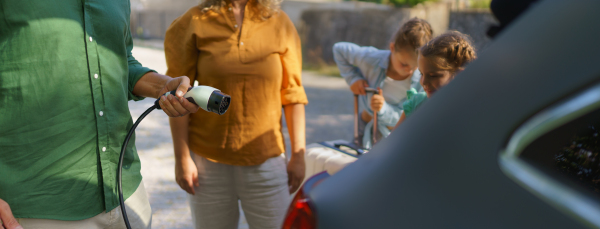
(358, 87)
(7, 220)
(186, 174)
(295, 171)
(377, 101)
(296, 123)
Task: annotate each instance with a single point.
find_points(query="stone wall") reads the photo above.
(323, 23)
(149, 17)
(295, 8)
(321, 28)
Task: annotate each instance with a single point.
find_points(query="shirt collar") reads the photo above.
(384, 59)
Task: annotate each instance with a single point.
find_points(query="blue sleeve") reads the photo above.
(389, 114)
(349, 57)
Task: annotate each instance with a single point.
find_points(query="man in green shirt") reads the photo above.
(66, 74)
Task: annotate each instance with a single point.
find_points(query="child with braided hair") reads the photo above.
(439, 61)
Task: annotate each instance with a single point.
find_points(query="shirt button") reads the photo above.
(103, 149)
(101, 113)
(234, 26)
(96, 76)
(241, 43)
(91, 39)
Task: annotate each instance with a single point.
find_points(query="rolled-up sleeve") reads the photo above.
(136, 70)
(292, 91)
(389, 114)
(348, 57)
(181, 52)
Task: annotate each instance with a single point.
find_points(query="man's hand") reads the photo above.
(7, 220)
(295, 171)
(358, 87)
(176, 106)
(377, 101)
(186, 174)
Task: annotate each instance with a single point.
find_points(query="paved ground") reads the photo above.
(328, 116)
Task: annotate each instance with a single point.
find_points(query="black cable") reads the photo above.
(120, 167)
(217, 103)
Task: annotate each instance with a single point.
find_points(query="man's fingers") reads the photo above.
(163, 106)
(184, 84)
(183, 106)
(178, 106)
(189, 106)
(7, 218)
(168, 106)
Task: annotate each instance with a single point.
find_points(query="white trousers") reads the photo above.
(138, 209)
(262, 190)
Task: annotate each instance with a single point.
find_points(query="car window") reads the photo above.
(570, 153)
(555, 154)
(580, 159)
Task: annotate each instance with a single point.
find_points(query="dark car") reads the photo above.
(512, 142)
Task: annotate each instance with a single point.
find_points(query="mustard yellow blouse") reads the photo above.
(259, 66)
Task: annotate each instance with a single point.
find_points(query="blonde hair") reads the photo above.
(412, 35)
(451, 51)
(264, 9)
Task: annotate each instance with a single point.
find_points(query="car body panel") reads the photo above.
(440, 168)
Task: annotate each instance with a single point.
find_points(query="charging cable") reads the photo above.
(208, 98)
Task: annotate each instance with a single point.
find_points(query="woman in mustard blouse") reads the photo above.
(250, 50)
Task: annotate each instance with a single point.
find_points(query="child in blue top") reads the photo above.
(393, 72)
(439, 61)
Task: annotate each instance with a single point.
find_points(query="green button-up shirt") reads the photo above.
(66, 74)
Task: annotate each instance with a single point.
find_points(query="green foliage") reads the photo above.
(581, 158)
(406, 2)
(480, 4)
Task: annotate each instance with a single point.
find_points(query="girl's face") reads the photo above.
(432, 78)
(404, 63)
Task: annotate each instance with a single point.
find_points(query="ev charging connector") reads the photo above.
(208, 98)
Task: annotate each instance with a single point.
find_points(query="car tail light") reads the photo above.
(301, 214)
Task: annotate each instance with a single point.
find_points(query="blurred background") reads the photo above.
(321, 23)
(329, 114)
